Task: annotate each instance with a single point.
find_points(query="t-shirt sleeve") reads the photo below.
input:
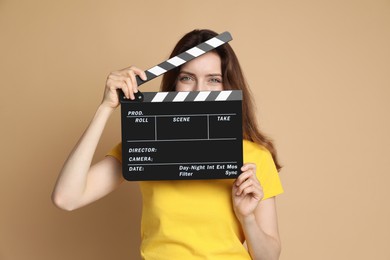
(266, 171)
(116, 152)
(269, 176)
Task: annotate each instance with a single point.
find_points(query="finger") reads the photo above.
(119, 84)
(139, 72)
(133, 81)
(113, 76)
(234, 188)
(252, 191)
(249, 182)
(243, 186)
(114, 83)
(256, 193)
(244, 176)
(129, 87)
(248, 166)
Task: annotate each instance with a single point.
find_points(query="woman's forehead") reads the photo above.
(206, 63)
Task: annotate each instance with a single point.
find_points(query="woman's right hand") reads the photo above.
(121, 80)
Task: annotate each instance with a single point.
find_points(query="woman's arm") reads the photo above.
(73, 188)
(258, 217)
(79, 183)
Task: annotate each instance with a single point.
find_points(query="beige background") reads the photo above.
(320, 73)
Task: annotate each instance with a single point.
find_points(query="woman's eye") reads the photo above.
(185, 78)
(215, 80)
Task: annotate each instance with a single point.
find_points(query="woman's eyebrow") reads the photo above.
(208, 75)
(186, 72)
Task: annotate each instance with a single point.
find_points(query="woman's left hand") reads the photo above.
(246, 192)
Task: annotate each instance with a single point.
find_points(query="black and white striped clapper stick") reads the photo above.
(184, 57)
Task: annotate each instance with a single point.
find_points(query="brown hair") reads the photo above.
(232, 78)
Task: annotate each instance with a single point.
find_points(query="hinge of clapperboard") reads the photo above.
(179, 60)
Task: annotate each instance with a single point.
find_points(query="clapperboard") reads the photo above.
(182, 135)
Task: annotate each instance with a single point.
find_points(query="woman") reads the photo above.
(198, 219)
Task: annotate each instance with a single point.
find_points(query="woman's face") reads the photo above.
(201, 74)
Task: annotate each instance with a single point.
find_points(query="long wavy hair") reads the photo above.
(232, 78)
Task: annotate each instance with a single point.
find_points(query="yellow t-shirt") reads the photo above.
(194, 219)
